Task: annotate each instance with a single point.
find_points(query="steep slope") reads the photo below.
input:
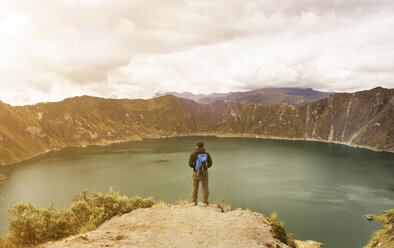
(182, 226)
(360, 119)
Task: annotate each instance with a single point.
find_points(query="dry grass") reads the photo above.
(273, 217)
(223, 206)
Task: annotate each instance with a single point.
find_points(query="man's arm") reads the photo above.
(209, 160)
(191, 160)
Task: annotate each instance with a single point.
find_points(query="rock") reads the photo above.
(181, 226)
(369, 216)
(308, 244)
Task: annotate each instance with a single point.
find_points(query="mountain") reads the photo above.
(362, 119)
(269, 96)
(191, 96)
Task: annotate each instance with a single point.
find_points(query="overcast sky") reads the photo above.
(52, 49)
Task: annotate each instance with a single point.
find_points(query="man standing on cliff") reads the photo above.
(200, 161)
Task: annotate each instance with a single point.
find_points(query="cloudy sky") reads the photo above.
(52, 49)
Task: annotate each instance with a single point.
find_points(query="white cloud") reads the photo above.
(52, 49)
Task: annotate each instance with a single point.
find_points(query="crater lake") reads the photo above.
(321, 190)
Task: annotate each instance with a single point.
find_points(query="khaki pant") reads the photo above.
(204, 182)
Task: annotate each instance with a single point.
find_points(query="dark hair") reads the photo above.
(200, 144)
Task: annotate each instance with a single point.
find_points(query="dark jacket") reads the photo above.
(194, 157)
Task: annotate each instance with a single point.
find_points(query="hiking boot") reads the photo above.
(195, 203)
(206, 204)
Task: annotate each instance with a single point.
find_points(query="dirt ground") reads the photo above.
(179, 226)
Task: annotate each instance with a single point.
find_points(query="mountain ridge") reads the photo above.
(363, 119)
(266, 96)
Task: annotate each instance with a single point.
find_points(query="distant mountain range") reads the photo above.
(269, 96)
(362, 118)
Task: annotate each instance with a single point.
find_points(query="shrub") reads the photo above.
(291, 240)
(102, 207)
(139, 202)
(32, 226)
(279, 232)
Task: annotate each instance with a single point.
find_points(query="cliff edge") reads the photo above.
(182, 225)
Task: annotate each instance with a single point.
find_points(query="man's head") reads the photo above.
(200, 144)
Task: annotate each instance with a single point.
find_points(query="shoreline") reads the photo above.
(255, 136)
(3, 177)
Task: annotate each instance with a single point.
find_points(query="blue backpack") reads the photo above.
(201, 164)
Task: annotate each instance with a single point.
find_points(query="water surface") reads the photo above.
(321, 190)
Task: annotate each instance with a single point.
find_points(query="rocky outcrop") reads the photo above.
(362, 119)
(383, 238)
(182, 226)
(308, 244)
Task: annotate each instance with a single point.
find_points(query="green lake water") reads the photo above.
(321, 190)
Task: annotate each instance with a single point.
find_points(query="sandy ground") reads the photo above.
(179, 226)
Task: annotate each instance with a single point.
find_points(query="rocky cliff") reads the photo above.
(362, 118)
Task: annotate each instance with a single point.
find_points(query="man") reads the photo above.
(200, 161)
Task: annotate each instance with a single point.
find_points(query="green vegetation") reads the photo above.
(383, 238)
(279, 231)
(31, 226)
